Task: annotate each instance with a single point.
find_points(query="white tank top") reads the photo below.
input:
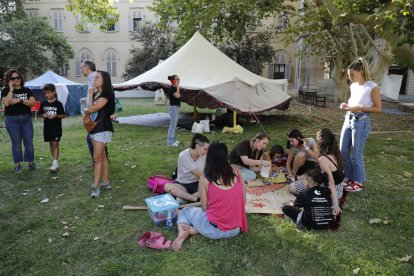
(361, 94)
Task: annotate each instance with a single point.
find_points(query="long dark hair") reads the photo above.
(317, 176)
(7, 76)
(217, 165)
(107, 89)
(294, 133)
(199, 139)
(329, 145)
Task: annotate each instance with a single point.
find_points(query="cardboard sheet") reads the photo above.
(268, 203)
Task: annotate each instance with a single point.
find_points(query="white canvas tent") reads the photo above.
(210, 79)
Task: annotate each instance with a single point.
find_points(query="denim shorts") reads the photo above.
(196, 217)
(104, 137)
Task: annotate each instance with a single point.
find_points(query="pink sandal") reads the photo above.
(159, 243)
(147, 236)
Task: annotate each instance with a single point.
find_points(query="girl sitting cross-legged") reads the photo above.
(222, 213)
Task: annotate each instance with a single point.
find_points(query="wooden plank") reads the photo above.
(141, 207)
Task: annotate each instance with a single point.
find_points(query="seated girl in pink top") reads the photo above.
(222, 213)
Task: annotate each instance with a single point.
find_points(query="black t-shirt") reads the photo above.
(104, 114)
(316, 203)
(52, 127)
(173, 100)
(243, 149)
(23, 93)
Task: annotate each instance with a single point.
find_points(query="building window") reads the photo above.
(135, 21)
(63, 71)
(83, 55)
(58, 20)
(280, 69)
(282, 21)
(112, 28)
(32, 13)
(111, 63)
(82, 24)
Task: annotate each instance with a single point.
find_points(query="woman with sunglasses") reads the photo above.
(17, 101)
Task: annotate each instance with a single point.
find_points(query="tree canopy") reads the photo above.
(157, 45)
(32, 46)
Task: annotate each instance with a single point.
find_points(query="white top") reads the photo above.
(186, 164)
(361, 94)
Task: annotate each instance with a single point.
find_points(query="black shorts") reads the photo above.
(191, 188)
(51, 138)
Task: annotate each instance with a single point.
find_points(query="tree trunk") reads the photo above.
(340, 78)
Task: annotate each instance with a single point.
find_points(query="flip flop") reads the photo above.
(159, 243)
(146, 236)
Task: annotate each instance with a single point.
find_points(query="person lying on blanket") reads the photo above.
(222, 213)
(313, 207)
(190, 167)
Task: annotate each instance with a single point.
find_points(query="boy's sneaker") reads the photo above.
(54, 168)
(353, 187)
(32, 166)
(95, 191)
(106, 185)
(18, 169)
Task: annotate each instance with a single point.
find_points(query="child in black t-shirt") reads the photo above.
(278, 157)
(52, 111)
(312, 207)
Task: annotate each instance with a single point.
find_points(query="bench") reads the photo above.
(312, 98)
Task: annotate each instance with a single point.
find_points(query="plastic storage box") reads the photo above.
(161, 208)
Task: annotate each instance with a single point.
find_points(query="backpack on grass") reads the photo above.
(156, 183)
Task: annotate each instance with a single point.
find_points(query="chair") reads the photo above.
(35, 109)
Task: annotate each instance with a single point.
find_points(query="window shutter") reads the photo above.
(77, 67)
(270, 71)
(287, 71)
(130, 24)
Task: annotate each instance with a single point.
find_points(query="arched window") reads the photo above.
(280, 69)
(111, 59)
(83, 55)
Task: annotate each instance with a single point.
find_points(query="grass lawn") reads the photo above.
(58, 237)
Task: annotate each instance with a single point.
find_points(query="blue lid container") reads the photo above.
(161, 203)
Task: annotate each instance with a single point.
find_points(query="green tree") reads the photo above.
(10, 10)
(100, 12)
(32, 46)
(157, 44)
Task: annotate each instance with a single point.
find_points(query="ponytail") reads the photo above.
(361, 65)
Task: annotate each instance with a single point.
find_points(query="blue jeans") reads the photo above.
(20, 127)
(174, 112)
(353, 137)
(247, 174)
(196, 217)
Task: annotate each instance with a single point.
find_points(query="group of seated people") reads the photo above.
(208, 174)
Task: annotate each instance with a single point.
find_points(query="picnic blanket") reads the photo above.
(269, 202)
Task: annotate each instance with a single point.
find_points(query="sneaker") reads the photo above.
(32, 166)
(181, 201)
(353, 187)
(95, 191)
(106, 185)
(173, 144)
(177, 142)
(18, 169)
(54, 168)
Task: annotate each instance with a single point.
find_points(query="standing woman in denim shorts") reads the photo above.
(17, 101)
(101, 107)
(365, 99)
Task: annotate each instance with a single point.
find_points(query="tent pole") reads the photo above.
(234, 118)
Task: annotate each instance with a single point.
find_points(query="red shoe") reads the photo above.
(353, 187)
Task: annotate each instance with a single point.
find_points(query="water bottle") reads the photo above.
(169, 223)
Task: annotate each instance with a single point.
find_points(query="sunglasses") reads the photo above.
(15, 78)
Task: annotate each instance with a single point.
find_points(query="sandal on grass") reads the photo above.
(147, 236)
(159, 243)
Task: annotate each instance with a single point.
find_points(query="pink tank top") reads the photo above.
(225, 208)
